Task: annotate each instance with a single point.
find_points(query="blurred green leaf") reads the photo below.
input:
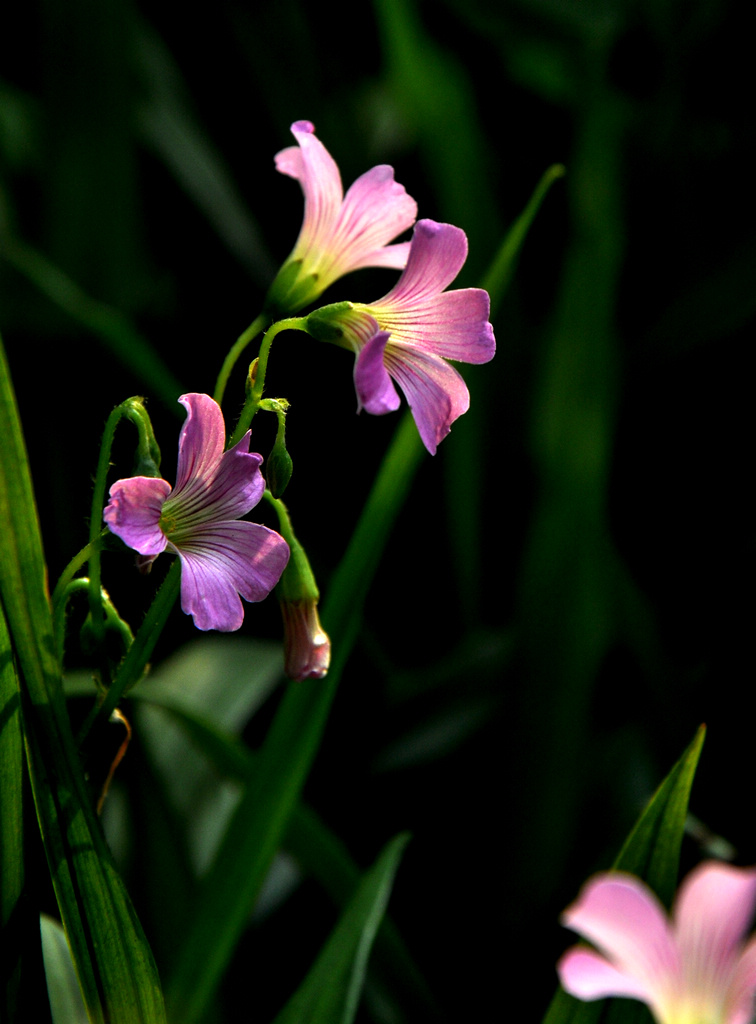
(229, 889)
(330, 993)
(169, 127)
(501, 270)
(112, 327)
(177, 704)
(66, 1004)
(651, 851)
(11, 823)
(114, 964)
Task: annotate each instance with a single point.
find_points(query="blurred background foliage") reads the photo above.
(563, 600)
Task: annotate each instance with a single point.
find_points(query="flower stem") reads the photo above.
(133, 665)
(252, 404)
(236, 350)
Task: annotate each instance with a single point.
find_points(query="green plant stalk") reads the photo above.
(254, 398)
(244, 339)
(228, 891)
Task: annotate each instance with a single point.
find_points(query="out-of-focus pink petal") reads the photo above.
(740, 1003)
(626, 922)
(712, 913)
(201, 440)
(221, 561)
(134, 511)
(437, 254)
(375, 392)
(434, 390)
(587, 975)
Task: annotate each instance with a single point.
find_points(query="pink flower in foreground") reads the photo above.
(221, 558)
(340, 233)
(410, 333)
(691, 969)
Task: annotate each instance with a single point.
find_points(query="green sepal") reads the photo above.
(326, 323)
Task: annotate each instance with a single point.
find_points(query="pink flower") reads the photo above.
(409, 334)
(340, 233)
(221, 558)
(691, 969)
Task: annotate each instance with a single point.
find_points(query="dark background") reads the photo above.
(566, 596)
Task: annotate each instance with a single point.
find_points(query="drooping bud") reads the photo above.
(307, 647)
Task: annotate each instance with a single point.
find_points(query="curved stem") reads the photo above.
(133, 665)
(252, 404)
(236, 350)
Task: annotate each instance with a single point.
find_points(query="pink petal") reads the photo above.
(626, 922)
(453, 325)
(234, 488)
(437, 254)
(319, 176)
(201, 440)
(375, 392)
(436, 393)
(375, 210)
(134, 511)
(392, 256)
(587, 975)
(713, 911)
(221, 561)
(740, 1000)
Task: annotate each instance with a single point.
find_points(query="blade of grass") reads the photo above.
(116, 972)
(330, 993)
(651, 851)
(255, 832)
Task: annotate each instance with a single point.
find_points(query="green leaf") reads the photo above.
(651, 851)
(116, 972)
(11, 822)
(230, 888)
(330, 993)
(501, 270)
(199, 694)
(66, 1004)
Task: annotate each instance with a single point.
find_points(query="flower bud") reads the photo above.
(307, 648)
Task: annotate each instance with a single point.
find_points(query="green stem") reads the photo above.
(254, 398)
(133, 665)
(236, 350)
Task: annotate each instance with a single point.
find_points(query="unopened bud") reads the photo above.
(307, 648)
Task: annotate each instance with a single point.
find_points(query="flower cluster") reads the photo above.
(408, 335)
(405, 338)
(691, 969)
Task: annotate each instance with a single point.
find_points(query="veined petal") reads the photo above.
(394, 257)
(201, 441)
(587, 975)
(453, 325)
(712, 913)
(626, 922)
(236, 486)
(434, 390)
(134, 511)
(318, 174)
(437, 254)
(221, 561)
(375, 209)
(375, 392)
